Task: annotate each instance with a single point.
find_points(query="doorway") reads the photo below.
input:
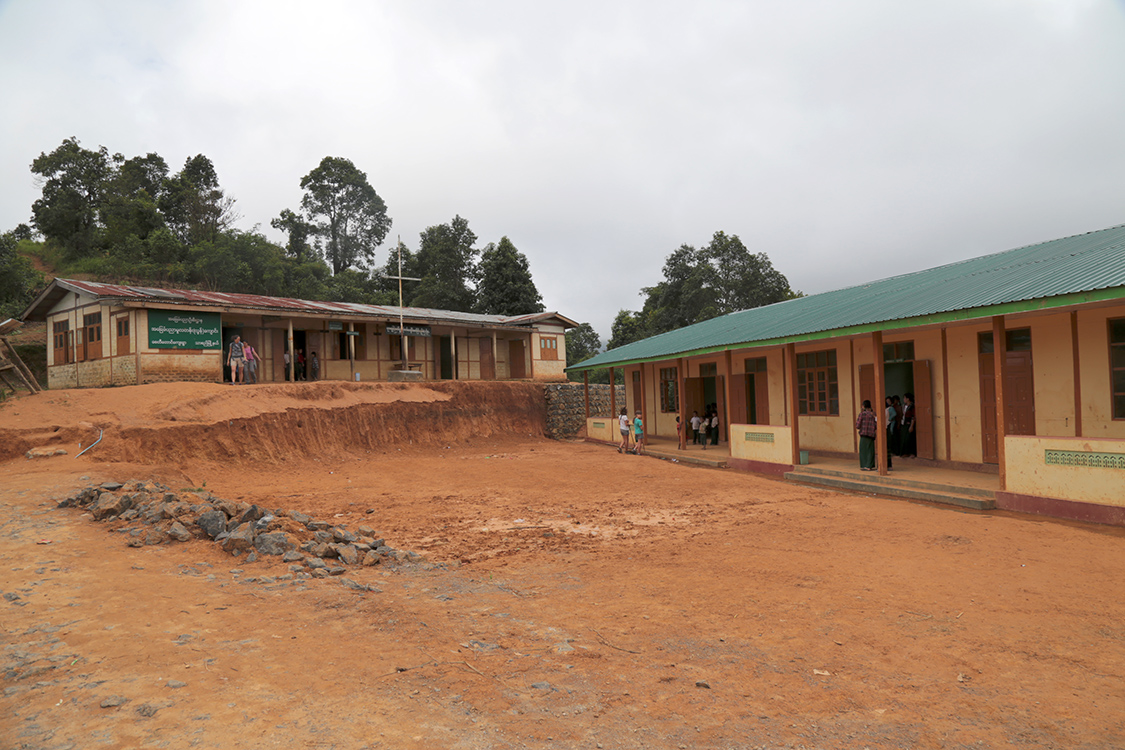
(517, 368)
(901, 378)
(1019, 389)
(487, 361)
(446, 349)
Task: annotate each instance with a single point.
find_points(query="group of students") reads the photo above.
(705, 429)
(902, 441)
(243, 361)
(299, 368)
(637, 426)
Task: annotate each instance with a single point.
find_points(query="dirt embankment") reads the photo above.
(179, 422)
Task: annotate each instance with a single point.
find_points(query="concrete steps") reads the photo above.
(699, 459)
(891, 486)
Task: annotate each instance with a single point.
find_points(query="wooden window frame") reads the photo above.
(669, 390)
(1116, 371)
(91, 333)
(816, 369)
(122, 330)
(897, 351)
(754, 365)
(60, 331)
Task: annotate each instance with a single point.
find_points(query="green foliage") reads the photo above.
(193, 205)
(299, 232)
(348, 215)
(129, 221)
(627, 328)
(581, 344)
(74, 181)
(19, 281)
(446, 263)
(720, 278)
(506, 286)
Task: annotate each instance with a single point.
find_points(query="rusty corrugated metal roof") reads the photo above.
(262, 304)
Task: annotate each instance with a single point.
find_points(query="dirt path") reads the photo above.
(571, 597)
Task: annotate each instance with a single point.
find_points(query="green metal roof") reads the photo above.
(1082, 268)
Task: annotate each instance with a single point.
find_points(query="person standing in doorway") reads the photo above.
(715, 425)
(638, 435)
(300, 374)
(315, 365)
(695, 422)
(236, 360)
(623, 425)
(285, 358)
(866, 425)
(892, 426)
(252, 360)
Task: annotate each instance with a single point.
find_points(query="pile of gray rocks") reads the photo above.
(148, 512)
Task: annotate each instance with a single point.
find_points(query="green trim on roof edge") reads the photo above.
(1006, 308)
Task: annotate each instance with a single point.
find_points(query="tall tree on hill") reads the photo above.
(74, 182)
(446, 263)
(506, 286)
(194, 206)
(299, 231)
(130, 208)
(348, 214)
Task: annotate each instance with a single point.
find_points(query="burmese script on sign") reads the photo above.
(175, 330)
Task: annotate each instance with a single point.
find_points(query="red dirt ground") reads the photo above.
(570, 596)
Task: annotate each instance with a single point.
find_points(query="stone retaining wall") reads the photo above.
(566, 407)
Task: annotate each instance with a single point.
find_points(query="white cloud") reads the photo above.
(847, 140)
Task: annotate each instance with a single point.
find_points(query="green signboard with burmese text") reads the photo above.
(172, 329)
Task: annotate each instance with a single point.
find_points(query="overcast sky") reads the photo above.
(847, 139)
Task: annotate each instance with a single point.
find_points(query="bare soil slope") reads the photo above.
(570, 597)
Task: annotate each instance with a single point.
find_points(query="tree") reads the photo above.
(19, 281)
(627, 328)
(742, 279)
(683, 297)
(385, 281)
(347, 212)
(299, 232)
(74, 181)
(721, 277)
(194, 206)
(446, 263)
(581, 344)
(506, 286)
(142, 173)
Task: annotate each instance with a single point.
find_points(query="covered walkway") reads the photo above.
(909, 479)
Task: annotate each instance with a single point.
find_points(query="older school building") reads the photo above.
(1016, 361)
(108, 334)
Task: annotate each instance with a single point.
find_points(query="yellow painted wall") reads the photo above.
(603, 428)
(1052, 366)
(831, 433)
(964, 392)
(780, 451)
(775, 378)
(1029, 474)
(1093, 347)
